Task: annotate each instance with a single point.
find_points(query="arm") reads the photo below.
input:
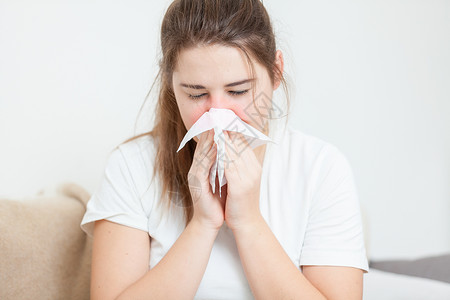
(120, 259)
(272, 275)
(269, 270)
(336, 282)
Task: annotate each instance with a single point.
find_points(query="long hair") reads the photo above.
(243, 24)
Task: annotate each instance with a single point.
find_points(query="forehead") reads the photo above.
(214, 62)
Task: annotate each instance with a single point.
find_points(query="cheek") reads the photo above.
(243, 113)
(253, 117)
(189, 113)
(192, 115)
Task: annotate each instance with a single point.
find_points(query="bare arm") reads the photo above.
(269, 270)
(120, 259)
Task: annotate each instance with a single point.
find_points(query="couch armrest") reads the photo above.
(45, 254)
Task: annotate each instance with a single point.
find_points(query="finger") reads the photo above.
(229, 145)
(208, 153)
(244, 145)
(235, 143)
(204, 136)
(247, 151)
(204, 143)
(241, 152)
(230, 151)
(204, 161)
(203, 155)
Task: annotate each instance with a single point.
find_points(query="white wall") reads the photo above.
(372, 77)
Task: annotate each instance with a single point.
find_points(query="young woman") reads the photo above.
(288, 224)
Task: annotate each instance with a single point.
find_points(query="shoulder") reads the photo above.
(310, 161)
(324, 163)
(137, 158)
(138, 151)
(125, 194)
(142, 145)
(309, 149)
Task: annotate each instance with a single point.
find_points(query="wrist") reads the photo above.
(202, 228)
(249, 225)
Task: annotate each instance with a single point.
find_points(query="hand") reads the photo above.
(243, 173)
(208, 207)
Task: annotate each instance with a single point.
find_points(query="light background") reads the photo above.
(371, 77)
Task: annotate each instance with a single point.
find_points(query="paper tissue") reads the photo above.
(221, 119)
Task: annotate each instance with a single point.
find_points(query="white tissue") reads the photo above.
(223, 119)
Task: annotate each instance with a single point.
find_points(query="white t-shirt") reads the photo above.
(308, 198)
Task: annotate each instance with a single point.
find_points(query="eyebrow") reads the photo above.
(201, 87)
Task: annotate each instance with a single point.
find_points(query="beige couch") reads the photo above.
(45, 254)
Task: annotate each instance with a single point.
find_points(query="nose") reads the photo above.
(218, 101)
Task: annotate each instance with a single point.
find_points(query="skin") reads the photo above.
(213, 67)
(270, 273)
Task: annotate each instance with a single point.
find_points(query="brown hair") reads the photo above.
(243, 24)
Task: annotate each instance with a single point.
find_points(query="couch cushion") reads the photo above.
(433, 267)
(45, 254)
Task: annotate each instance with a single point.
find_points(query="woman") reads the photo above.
(288, 223)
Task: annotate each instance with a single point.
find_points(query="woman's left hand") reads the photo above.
(243, 174)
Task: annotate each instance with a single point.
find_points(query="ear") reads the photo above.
(279, 61)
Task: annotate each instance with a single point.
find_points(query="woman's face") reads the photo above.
(218, 76)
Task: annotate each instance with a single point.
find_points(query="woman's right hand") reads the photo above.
(209, 209)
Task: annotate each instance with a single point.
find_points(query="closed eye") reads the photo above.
(234, 93)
